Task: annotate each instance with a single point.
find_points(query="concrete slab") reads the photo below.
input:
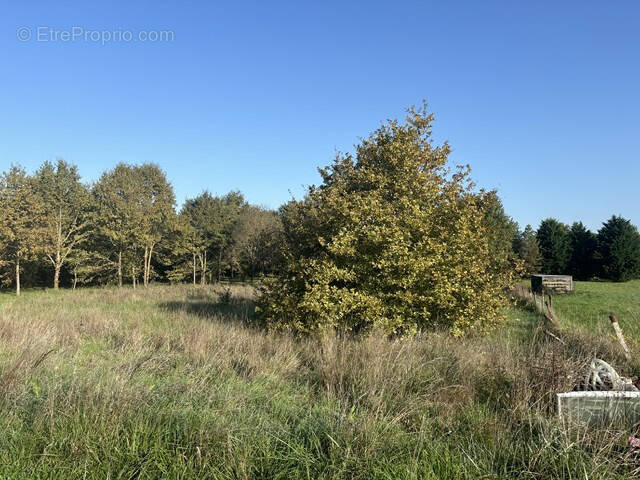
(600, 408)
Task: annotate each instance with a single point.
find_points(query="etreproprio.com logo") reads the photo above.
(46, 34)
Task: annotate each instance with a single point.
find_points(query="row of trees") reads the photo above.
(612, 253)
(393, 239)
(125, 229)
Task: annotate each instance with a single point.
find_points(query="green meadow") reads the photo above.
(177, 382)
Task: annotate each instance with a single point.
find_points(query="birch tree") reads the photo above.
(64, 203)
(157, 203)
(213, 220)
(200, 213)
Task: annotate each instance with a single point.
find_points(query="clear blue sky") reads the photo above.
(541, 98)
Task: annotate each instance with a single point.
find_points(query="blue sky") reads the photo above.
(540, 98)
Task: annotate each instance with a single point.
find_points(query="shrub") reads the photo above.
(392, 239)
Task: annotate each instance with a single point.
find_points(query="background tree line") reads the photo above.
(612, 253)
(55, 230)
(125, 228)
(394, 238)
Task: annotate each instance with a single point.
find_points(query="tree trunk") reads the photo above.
(194, 269)
(133, 278)
(75, 279)
(58, 263)
(219, 266)
(148, 277)
(18, 275)
(56, 276)
(120, 268)
(144, 270)
(203, 274)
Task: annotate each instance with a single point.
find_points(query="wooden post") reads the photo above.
(550, 304)
(618, 330)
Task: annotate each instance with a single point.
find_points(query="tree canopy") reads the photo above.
(555, 246)
(526, 247)
(582, 262)
(619, 249)
(392, 239)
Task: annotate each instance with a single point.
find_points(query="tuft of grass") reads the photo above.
(175, 382)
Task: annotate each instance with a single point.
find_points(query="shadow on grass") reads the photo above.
(238, 310)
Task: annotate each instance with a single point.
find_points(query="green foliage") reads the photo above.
(555, 246)
(254, 241)
(134, 211)
(392, 239)
(65, 203)
(124, 229)
(582, 264)
(501, 230)
(619, 249)
(526, 248)
(117, 218)
(212, 221)
(21, 222)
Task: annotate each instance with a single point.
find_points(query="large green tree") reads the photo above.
(501, 232)
(65, 203)
(526, 247)
(182, 253)
(253, 238)
(555, 246)
(157, 202)
(134, 210)
(619, 249)
(582, 262)
(213, 220)
(391, 239)
(21, 221)
(200, 214)
(118, 219)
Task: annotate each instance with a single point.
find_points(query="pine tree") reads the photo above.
(555, 246)
(619, 249)
(582, 263)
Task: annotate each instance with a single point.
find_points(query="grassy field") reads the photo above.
(174, 382)
(589, 307)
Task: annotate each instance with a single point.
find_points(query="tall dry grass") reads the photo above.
(176, 382)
